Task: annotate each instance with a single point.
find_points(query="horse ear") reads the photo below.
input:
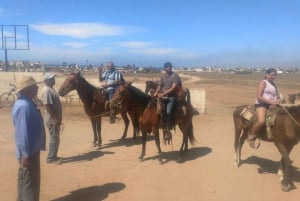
(78, 74)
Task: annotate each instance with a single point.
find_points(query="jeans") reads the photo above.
(111, 93)
(170, 106)
(54, 131)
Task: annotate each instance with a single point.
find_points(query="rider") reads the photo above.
(266, 96)
(111, 79)
(167, 87)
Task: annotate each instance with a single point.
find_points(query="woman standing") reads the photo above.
(266, 96)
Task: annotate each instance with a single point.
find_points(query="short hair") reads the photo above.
(168, 64)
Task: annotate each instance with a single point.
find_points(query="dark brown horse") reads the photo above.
(183, 93)
(284, 132)
(94, 103)
(132, 98)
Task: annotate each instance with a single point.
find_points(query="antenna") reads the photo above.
(14, 37)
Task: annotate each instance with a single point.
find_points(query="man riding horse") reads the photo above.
(167, 91)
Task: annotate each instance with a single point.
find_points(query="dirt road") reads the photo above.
(115, 173)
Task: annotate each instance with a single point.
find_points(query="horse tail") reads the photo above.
(191, 134)
(136, 123)
(188, 96)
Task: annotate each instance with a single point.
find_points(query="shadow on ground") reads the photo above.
(267, 166)
(92, 193)
(85, 157)
(191, 154)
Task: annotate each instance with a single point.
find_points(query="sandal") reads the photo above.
(251, 141)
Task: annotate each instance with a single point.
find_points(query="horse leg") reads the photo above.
(285, 165)
(144, 140)
(239, 138)
(96, 124)
(135, 123)
(157, 142)
(94, 132)
(126, 122)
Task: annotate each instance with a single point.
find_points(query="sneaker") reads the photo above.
(57, 161)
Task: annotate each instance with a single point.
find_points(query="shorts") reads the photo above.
(265, 105)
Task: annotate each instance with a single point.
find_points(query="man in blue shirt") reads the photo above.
(111, 79)
(29, 138)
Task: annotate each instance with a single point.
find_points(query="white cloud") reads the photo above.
(82, 30)
(76, 44)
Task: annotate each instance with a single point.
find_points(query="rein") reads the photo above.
(101, 115)
(292, 118)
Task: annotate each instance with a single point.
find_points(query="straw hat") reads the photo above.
(48, 76)
(24, 82)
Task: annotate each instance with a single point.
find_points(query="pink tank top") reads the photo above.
(269, 92)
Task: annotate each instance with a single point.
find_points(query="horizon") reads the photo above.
(148, 33)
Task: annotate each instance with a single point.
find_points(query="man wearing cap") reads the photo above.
(30, 139)
(111, 79)
(166, 90)
(53, 116)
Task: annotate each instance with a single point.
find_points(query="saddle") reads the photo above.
(100, 96)
(248, 115)
(161, 110)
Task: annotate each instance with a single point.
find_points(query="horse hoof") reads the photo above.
(285, 187)
(97, 147)
(141, 158)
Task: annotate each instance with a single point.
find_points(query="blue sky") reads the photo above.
(191, 33)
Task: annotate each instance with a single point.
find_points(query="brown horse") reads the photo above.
(183, 93)
(94, 103)
(294, 98)
(284, 131)
(132, 98)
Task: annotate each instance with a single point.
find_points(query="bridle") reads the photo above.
(119, 102)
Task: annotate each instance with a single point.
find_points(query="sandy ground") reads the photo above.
(115, 172)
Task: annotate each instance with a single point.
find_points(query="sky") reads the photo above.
(189, 33)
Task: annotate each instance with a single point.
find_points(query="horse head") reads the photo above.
(150, 86)
(294, 98)
(117, 100)
(69, 84)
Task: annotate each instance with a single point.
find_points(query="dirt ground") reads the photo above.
(115, 173)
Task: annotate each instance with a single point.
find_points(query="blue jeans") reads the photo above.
(111, 93)
(54, 131)
(170, 106)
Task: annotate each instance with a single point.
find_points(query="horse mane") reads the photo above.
(139, 94)
(86, 93)
(89, 85)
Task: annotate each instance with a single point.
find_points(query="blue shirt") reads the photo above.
(111, 76)
(29, 128)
